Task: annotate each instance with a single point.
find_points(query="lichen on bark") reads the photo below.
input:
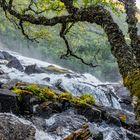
(132, 82)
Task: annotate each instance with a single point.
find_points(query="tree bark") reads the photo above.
(132, 82)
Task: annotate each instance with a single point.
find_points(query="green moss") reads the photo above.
(123, 118)
(83, 100)
(66, 96)
(79, 103)
(43, 93)
(33, 88)
(46, 94)
(20, 91)
(56, 69)
(132, 82)
(89, 99)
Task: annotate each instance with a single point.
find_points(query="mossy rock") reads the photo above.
(43, 93)
(89, 99)
(65, 96)
(47, 94)
(82, 100)
(54, 69)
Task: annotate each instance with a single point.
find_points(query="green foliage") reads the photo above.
(86, 40)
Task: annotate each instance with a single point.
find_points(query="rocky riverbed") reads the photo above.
(43, 101)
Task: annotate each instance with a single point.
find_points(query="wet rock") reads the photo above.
(54, 69)
(1, 83)
(72, 75)
(126, 104)
(1, 55)
(131, 135)
(91, 113)
(1, 72)
(14, 63)
(7, 56)
(39, 122)
(125, 98)
(27, 105)
(11, 128)
(69, 76)
(58, 84)
(10, 84)
(129, 118)
(8, 101)
(96, 132)
(98, 136)
(33, 69)
(113, 120)
(64, 123)
(47, 109)
(47, 79)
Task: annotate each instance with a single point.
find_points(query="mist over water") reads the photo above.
(28, 49)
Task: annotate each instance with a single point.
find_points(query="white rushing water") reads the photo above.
(78, 83)
(70, 81)
(109, 133)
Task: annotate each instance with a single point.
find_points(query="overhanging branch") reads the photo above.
(23, 32)
(63, 32)
(69, 6)
(92, 14)
(131, 19)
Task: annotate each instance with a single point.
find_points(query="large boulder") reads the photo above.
(64, 123)
(47, 109)
(28, 103)
(91, 113)
(14, 63)
(8, 101)
(13, 128)
(33, 69)
(7, 56)
(56, 70)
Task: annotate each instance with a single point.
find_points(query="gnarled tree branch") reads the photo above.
(69, 6)
(69, 52)
(92, 14)
(23, 32)
(130, 7)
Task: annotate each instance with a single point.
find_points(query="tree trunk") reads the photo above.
(132, 82)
